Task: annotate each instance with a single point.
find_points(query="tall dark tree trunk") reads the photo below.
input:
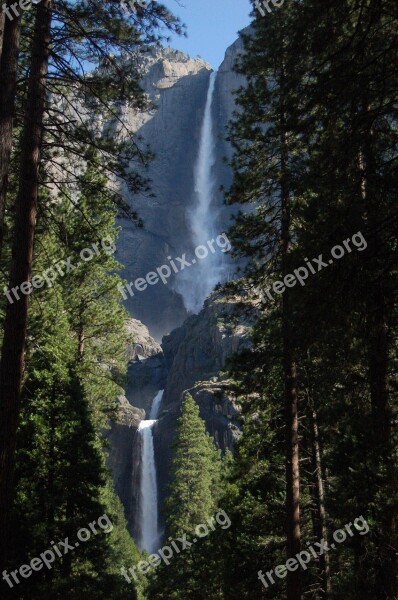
(15, 324)
(2, 21)
(292, 471)
(321, 527)
(378, 345)
(378, 317)
(8, 79)
(293, 533)
(378, 358)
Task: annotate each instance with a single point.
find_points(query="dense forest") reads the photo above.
(306, 505)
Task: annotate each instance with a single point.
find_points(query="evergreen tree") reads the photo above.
(194, 469)
(192, 501)
(79, 33)
(68, 396)
(267, 164)
(88, 235)
(340, 132)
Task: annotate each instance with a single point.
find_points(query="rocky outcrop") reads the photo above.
(227, 83)
(145, 378)
(147, 370)
(220, 410)
(198, 350)
(195, 355)
(123, 441)
(143, 345)
(123, 456)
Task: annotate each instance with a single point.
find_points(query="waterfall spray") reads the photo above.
(204, 185)
(156, 405)
(196, 284)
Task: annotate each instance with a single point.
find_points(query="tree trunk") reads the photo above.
(293, 533)
(321, 528)
(2, 22)
(15, 324)
(386, 568)
(378, 357)
(292, 473)
(8, 79)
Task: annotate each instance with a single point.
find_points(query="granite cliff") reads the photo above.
(190, 359)
(176, 86)
(195, 347)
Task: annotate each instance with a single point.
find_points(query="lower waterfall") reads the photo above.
(148, 504)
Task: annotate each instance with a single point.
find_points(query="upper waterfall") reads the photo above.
(197, 283)
(185, 126)
(200, 218)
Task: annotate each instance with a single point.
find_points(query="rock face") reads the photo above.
(198, 350)
(124, 457)
(143, 345)
(146, 369)
(190, 360)
(145, 355)
(193, 354)
(145, 379)
(220, 410)
(177, 87)
(227, 83)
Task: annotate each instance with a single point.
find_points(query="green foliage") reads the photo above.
(316, 121)
(193, 500)
(75, 369)
(317, 124)
(195, 469)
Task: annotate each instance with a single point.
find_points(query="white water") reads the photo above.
(204, 184)
(149, 527)
(196, 282)
(156, 405)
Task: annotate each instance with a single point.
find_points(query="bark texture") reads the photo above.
(9, 52)
(293, 532)
(15, 325)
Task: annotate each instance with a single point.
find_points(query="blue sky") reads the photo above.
(212, 26)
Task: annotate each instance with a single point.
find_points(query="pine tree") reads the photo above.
(266, 166)
(194, 469)
(68, 396)
(337, 96)
(15, 323)
(192, 501)
(77, 35)
(71, 488)
(9, 52)
(88, 236)
(351, 127)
